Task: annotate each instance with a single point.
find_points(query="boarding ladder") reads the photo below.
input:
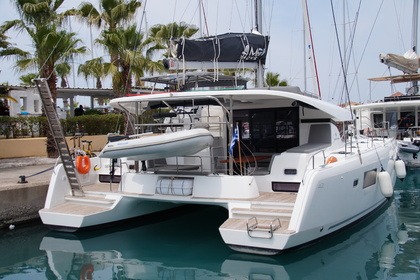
(58, 135)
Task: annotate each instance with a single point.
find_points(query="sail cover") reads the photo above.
(229, 47)
(408, 63)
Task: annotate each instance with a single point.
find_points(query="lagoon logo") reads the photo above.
(250, 54)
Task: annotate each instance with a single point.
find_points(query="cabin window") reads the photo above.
(369, 178)
(406, 120)
(268, 130)
(378, 120)
(391, 119)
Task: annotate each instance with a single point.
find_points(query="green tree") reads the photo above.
(63, 70)
(162, 35)
(94, 68)
(41, 21)
(126, 45)
(7, 49)
(112, 17)
(27, 79)
(273, 80)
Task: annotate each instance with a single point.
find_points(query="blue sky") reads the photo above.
(383, 26)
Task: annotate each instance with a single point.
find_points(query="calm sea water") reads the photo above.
(187, 245)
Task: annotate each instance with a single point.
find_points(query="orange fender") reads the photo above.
(331, 159)
(83, 164)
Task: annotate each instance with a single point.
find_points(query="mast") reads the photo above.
(258, 27)
(309, 47)
(415, 24)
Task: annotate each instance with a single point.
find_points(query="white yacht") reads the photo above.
(289, 168)
(395, 116)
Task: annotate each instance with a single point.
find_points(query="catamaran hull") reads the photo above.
(71, 213)
(318, 210)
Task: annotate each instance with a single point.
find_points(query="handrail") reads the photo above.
(274, 225)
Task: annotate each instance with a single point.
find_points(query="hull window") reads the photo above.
(370, 178)
(285, 186)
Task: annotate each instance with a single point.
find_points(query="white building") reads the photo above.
(29, 101)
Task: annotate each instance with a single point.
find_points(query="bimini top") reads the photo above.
(312, 108)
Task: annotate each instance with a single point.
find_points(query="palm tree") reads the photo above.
(162, 34)
(7, 49)
(63, 70)
(27, 79)
(112, 13)
(127, 47)
(41, 21)
(273, 80)
(93, 68)
(52, 45)
(112, 16)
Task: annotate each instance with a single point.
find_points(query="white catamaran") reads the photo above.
(286, 166)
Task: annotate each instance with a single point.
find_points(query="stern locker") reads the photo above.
(174, 186)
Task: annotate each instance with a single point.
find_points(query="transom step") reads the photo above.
(90, 200)
(262, 212)
(237, 224)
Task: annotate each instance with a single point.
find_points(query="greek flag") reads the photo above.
(235, 137)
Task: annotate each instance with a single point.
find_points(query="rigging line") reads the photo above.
(351, 45)
(185, 11)
(205, 18)
(135, 46)
(231, 15)
(370, 35)
(270, 21)
(51, 52)
(341, 58)
(398, 17)
(48, 57)
(393, 88)
(197, 10)
(173, 14)
(239, 15)
(217, 16)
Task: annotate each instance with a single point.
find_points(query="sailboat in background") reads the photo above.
(399, 114)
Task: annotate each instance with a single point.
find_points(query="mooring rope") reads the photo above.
(23, 177)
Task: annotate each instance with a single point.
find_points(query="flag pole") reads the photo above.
(239, 149)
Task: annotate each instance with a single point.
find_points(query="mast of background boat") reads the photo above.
(307, 31)
(259, 75)
(414, 31)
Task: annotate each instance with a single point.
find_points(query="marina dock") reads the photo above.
(20, 202)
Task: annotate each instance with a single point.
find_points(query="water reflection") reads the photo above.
(176, 249)
(186, 245)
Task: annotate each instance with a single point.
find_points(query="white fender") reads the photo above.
(385, 184)
(400, 169)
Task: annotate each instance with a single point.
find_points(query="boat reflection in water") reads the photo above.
(164, 250)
